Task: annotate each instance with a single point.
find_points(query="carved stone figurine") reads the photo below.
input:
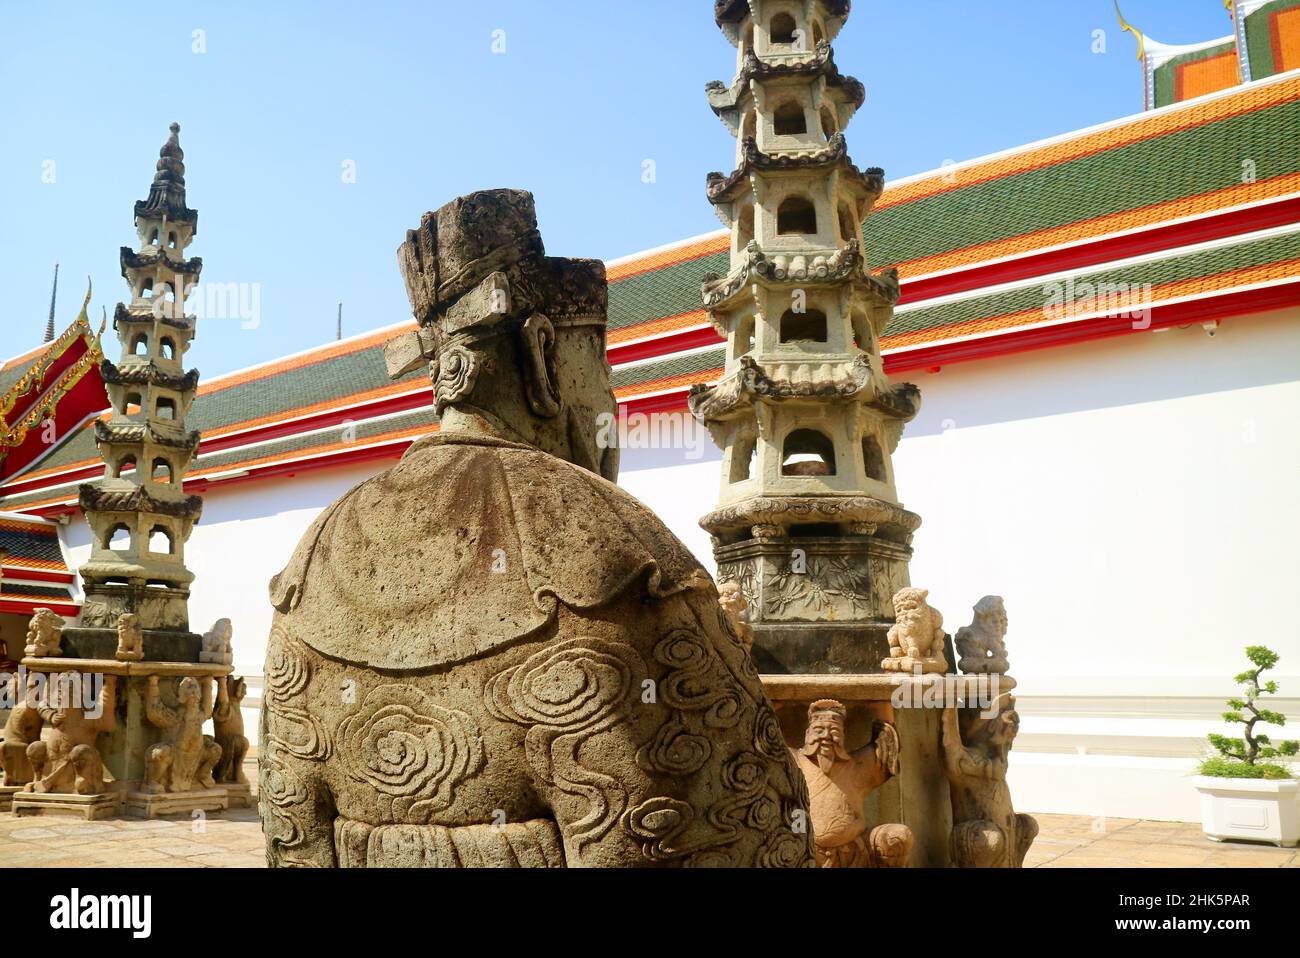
(216, 644)
(228, 724)
(839, 781)
(130, 638)
(980, 644)
(45, 635)
(916, 638)
(67, 761)
(986, 831)
(736, 609)
(22, 728)
(491, 655)
(184, 760)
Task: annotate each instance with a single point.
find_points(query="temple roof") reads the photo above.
(1265, 41)
(58, 384)
(33, 571)
(1161, 197)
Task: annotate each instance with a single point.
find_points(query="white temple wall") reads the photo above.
(1135, 500)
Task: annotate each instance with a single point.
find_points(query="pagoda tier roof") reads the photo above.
(779, 380)
(846, 263)
(820, 62)
(123, 314)
(892, 522)
(147, 374)
(1143, 198)
(138, 499)
(155, 256)
(173, 209)
(724, 188)
(733, 11)
(127, 433)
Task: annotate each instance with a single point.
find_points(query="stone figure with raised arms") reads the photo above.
(839, 782)
(492, 655)
(184, 759)
(228, 728)
(68, 762)
(986, 831)
(21, 729)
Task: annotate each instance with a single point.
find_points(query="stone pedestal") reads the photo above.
(88, 807)
(7, 793)
(125, 747)
(239, 795)
(159, 804)
(918, 796)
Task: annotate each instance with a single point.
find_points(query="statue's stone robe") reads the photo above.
(488, 656)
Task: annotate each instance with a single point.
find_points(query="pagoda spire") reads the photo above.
(139, 512)
(54, 296)
(809, 523)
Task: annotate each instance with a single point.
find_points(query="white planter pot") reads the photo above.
(1250, 809)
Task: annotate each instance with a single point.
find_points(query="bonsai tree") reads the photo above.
(1247, 757)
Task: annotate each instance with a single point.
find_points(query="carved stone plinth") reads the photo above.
(160, 804)
(817, 604)
(125, 747)
(7, 793)
(158, 645)
(918, 795)
(89, 807)
(239, 795)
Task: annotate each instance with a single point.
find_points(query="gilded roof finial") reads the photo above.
(1129, 28)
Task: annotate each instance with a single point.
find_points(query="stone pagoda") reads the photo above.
(127, 691)
(811, 540)
(809, 525)
(139, 512)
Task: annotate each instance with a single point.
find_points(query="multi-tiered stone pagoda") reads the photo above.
(809, 524)
(131, 739)
(138, 512)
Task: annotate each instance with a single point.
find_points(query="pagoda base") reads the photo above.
(160, 645)
(918, 796)
(158, 608)
(240, 794)
(124, 750)
(820, 648)
(7, 793)
(159, 804)
(88, 807)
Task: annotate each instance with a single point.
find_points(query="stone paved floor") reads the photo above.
(233, 839)
(1070, 841)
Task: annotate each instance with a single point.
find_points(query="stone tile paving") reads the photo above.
(233, 839)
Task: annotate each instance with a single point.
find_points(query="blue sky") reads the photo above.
(412, 94)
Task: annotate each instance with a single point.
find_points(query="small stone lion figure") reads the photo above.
(130, 638)
(216, 644)
(981, 644)
(734, 606)
(45, 635)
(916, 638)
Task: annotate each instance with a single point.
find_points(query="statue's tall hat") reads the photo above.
(479, 261)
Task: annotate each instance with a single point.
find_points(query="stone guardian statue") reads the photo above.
(986, 831)
(490, 655)
(839, 782)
